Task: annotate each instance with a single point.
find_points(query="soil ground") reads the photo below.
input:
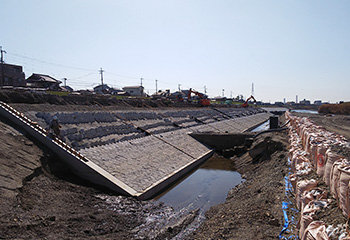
(339, 124)
(42, 199)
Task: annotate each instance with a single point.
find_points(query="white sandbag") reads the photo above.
(331, 158)
(335, 177)
(307, 216)
(301, 186)
(315, 231)
(314, 194)
(343, 194)
(321, 158)
(297, 159)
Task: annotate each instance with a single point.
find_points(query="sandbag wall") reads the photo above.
(311, 151)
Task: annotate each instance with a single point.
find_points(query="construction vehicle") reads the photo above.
(203, 99)
(245, 104)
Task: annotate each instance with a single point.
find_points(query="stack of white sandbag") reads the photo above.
(311, 151)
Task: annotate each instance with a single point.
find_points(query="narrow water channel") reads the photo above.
(203, 188)
(305, 111)
(207, 185)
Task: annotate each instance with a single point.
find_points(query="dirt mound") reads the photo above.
(19, 159)
(36, 97)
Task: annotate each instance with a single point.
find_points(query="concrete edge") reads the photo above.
(256, 125)
(165, 182)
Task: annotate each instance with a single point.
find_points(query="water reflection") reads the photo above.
(304, 111)
(205, 187)
(264, 126)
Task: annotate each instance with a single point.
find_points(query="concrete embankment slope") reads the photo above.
(143, 151)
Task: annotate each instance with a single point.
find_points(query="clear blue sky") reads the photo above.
(286, 48)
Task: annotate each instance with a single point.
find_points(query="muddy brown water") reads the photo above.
(203, 188)
(206, 186)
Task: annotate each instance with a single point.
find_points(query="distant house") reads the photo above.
(305, 102)
(279, 103)
(161, 94)
(43, 81)
(318, 102)
(12, 75)
(67, 89)
(134, 90)
(178, 96)
(102, 89)
(117, 91)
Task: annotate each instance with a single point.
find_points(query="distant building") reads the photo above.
(134, 90)
(12, 75)
(67, 89)
(161, 94)
(305, 102)
(318, 102)
(178, 96)
(279, 103)
(102, 89)
(43, 81)
(117, 91)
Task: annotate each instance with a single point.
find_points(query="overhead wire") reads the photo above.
(95, 71)
(50, 63)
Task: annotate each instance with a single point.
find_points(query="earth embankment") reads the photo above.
(43, 199)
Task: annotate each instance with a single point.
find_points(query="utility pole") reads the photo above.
(179, 87)
(252, 89)
(101, 72)
(2, 66)
(156, 86)
(205, 90)
(223, 92)
(141, 90)
(2, 54)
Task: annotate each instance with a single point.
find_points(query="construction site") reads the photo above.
(104, 175)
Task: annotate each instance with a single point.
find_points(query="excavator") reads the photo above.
(245, 104)
(203, 100)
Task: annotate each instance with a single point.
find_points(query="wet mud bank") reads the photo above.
(252, 210)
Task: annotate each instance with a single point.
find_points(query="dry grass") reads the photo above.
(342, 108)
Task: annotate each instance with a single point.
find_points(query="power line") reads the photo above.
(50, 63)
(86, 75)
(93, 71)
(119, 75)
